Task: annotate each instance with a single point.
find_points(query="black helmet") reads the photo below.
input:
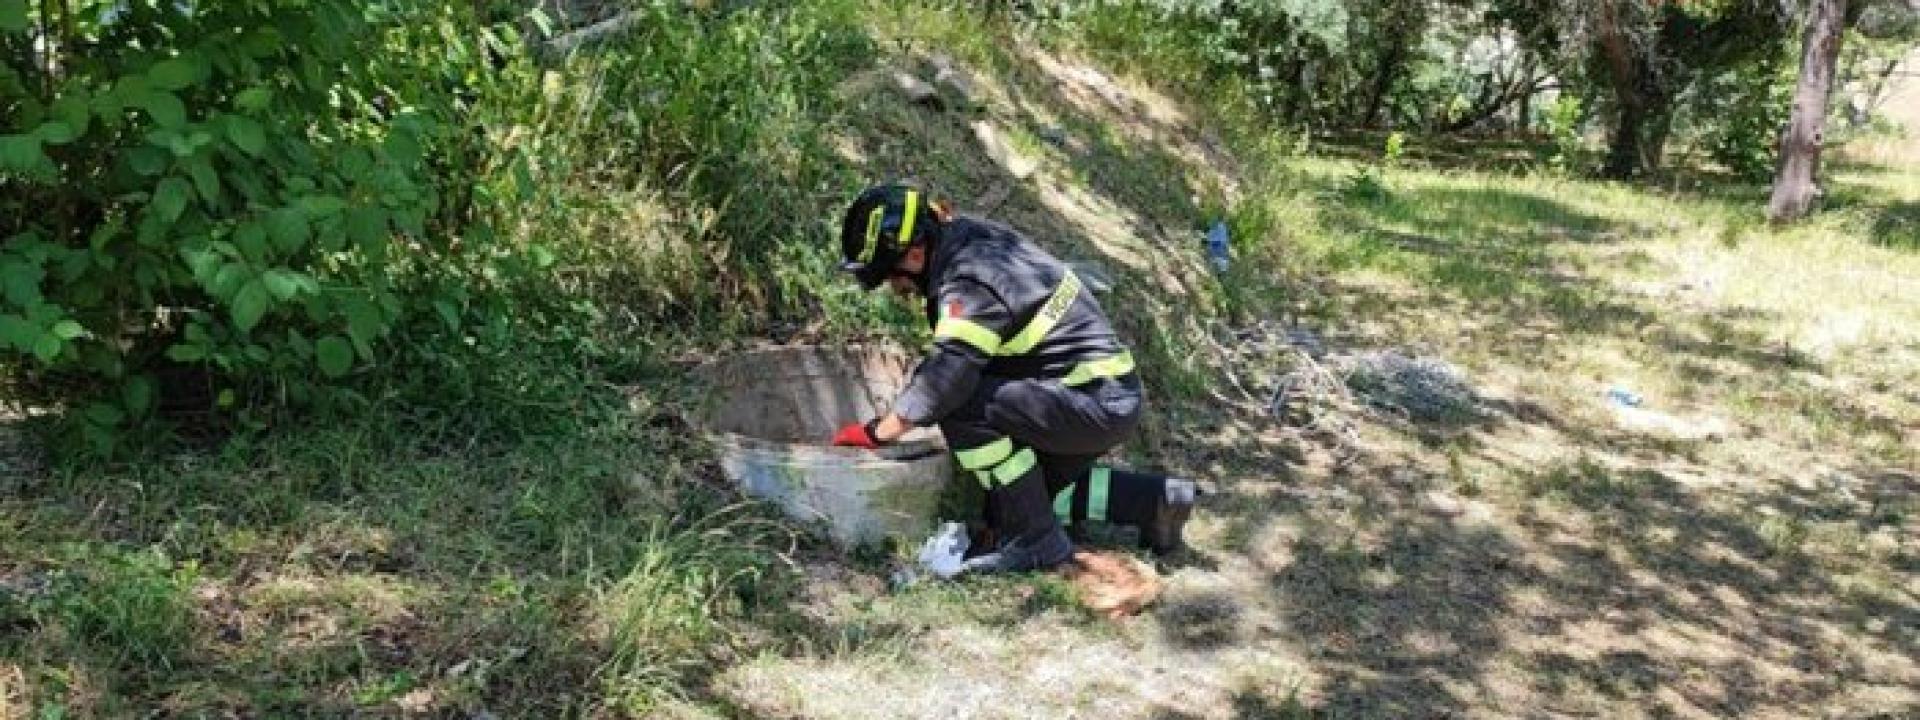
(882, 223)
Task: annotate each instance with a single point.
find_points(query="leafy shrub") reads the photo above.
(205, 205)
(729, 117)
(1740, 115)
(1565, 117)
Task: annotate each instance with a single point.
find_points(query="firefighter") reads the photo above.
(1026, 378)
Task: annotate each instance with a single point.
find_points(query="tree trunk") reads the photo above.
(1793, 184)
(1523, 118)
(1640, 135)
(1634, 85)
(1385, 73)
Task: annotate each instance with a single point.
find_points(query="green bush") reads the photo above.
(208, 206)
(1740, 115)
(726, 119)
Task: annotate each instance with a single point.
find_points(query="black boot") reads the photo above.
(1030, 537)
(1158, 506)
(1043, 553)
(1164, 530)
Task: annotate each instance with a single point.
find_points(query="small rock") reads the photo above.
(996, 147)
(1444, 503)
(419, 701)
(953, 82)
(917, 90)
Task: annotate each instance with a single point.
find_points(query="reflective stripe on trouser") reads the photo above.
(1018, 438)
(1115, 496)
(997, 463)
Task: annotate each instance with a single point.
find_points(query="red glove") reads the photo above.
(858, 435)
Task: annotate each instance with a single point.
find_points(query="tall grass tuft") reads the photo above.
(666, 617)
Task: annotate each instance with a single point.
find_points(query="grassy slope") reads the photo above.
(1549, 560)
(1545, 561)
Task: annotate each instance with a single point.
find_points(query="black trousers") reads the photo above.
(1032, 443)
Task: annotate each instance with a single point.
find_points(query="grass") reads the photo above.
(340, 569)
(553, 545)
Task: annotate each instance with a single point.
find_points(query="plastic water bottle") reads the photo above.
(1218, 252)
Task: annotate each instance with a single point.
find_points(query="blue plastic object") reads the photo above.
(1623, 397)
(1218, 252)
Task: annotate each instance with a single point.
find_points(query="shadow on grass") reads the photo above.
(1402, 610)
(1395, 620)
(1415, 613)
(1482, 152)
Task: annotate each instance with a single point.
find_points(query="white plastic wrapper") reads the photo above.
(943, 553)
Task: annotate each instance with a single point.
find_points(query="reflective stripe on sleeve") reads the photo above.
(967, 331)
(1036, 330)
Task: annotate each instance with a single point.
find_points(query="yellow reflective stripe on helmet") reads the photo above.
(985, 456)
(967, 331)
(873, 234)
(906, 222)
(1049, 316)
(1015, 466)
(1108, 367)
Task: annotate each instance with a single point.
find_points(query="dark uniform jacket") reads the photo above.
(1001, 306)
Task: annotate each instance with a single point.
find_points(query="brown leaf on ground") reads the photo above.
(1112, 584)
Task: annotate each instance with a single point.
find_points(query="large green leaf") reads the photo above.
(403, 146)
(167, 110)
(251, 238)
(137, 394)
(13, 15)
(147, 161)
(284, 284)
(74, 108)
(170, 198)
(104, 414)
(187, 353)
(228, 281)
(363, 320)
(175, 73)
(20, 280)
(253, 98)
(54, 132)
(288, 228)
(47, 347)
(448, 313)
(322, 205)
(246, 134)
(204, 179)
(21, 154)
(250, 304)
(334, 355)
(17, 333)
(367, 227)
(68, 330)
